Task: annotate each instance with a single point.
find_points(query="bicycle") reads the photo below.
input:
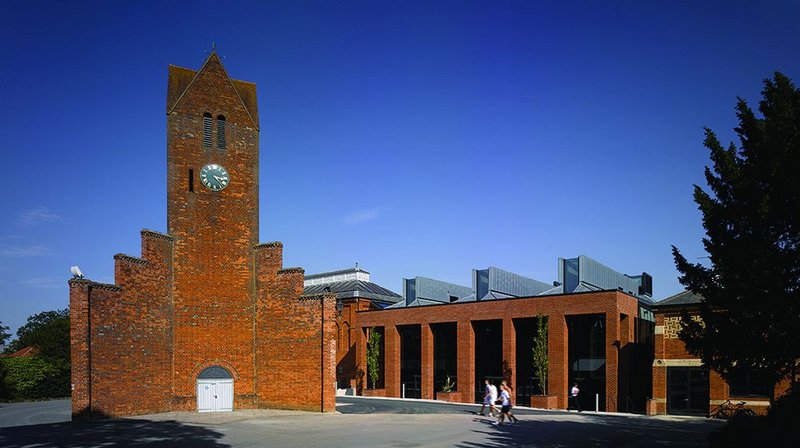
(728, 410)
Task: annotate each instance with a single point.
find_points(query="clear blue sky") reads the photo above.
(416, 138)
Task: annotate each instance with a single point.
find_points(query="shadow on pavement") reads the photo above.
(127, 432)
(593, 431)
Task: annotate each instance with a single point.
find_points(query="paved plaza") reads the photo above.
(361, 422)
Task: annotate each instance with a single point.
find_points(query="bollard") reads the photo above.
(596, 402)
(403, 393)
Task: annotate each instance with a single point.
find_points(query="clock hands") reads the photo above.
(214, 177)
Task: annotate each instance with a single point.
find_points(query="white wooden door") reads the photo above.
(224, 399)
(215, 395)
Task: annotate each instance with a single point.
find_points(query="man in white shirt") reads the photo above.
(489, 398)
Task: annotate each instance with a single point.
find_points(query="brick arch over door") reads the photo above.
(199, 368)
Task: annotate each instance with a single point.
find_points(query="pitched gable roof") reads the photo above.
(181, 78)
(24, 352)
(685, 298)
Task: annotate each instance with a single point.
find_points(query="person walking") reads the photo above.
(505, 403)
(489, 398)
(574, 395)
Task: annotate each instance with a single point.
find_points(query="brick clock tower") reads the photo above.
(207, 319)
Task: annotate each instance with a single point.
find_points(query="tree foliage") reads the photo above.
(373, 356)
(540, 361)
(48, 331)
(32, 377)
(751, 215)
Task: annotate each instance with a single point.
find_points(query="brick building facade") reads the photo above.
(617, 344)
(205, 299)
(682, 385)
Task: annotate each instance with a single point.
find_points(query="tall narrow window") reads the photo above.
(206, 130)
(191, 180)
(221, 132)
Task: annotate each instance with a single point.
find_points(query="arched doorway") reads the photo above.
(214, 390)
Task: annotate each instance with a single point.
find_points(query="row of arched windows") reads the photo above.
(207, 125)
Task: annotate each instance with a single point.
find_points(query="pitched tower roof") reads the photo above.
(181, 78)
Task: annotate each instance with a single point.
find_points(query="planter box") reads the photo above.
(451, 397)
(544, 401)
(652, 407)
(373, 392)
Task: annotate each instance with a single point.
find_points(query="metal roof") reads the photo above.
(331, 273)
(494, 283)
(432, 290)
(355, 288)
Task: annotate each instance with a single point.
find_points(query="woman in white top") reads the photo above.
(505, 402)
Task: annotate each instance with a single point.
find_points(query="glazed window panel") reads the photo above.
(750, 383)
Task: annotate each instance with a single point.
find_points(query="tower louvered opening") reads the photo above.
(221, 132)
(206, 130)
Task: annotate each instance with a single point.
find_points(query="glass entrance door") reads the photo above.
(687, 390)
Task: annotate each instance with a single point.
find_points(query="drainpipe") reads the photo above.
(322, 351)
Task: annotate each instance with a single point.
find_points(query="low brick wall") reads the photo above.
(373, 392)
(450, 397)
(544, 401)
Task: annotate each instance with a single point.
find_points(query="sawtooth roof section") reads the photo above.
(469, 298)
(554, 290)
(416, 302)
(684, 298)
(181, 78)
(585, 287)
(355, 288)
(494, 295)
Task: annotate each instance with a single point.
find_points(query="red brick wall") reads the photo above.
(80, 346)
(122, 335)
(214, 233)
(346, 334)
(610, 303)
(296, 350)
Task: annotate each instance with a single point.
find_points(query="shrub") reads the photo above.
(32, 378)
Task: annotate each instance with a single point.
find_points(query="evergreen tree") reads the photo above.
(751, 215)
(4, 334)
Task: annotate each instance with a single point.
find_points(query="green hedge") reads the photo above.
(31, 378)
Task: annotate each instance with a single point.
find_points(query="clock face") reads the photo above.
(214, 177)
